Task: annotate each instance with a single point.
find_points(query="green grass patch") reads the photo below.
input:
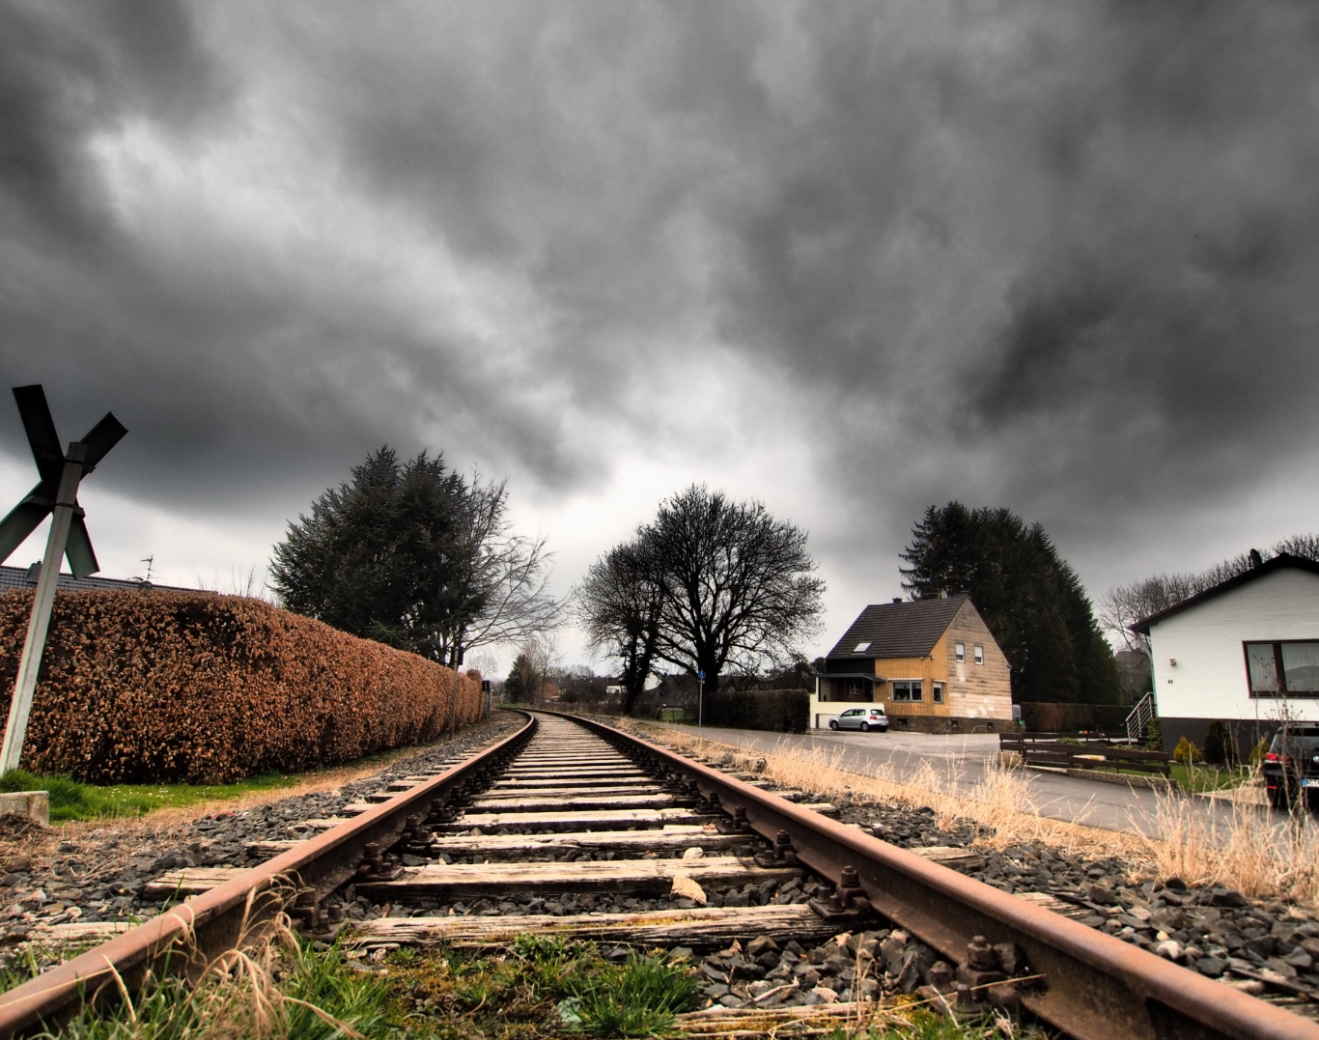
(1207, 778)
(71, 800)
(290, 995)
(541, 987)
(1192, 779)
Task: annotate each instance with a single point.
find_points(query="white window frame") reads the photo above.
(936, 692)
(959, 652)
(979, 654)
(920, 690)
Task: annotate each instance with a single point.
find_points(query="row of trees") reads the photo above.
(415, 555)
(1030, 598)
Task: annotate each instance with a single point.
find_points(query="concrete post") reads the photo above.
(42, 604)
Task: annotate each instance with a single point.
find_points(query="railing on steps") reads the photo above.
(1141, 716)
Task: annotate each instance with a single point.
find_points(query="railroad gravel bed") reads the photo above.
(1256, 945)
(99, 874)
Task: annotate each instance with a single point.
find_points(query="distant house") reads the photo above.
(27, 577)
(932, 663)
(1245, 652)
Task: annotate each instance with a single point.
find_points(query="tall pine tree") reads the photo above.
(1030, 598)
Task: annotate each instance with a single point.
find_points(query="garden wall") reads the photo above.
(157, 687)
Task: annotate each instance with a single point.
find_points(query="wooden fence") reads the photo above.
(1083, 751)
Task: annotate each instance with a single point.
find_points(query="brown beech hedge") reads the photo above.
(158, 687)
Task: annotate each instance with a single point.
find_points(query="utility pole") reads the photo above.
(55, 496)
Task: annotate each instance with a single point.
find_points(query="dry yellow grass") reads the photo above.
(1246, 849)
(1002, 804)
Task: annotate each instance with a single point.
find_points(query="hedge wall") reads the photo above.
(158, 687)
(781, 711)
(1045, 717)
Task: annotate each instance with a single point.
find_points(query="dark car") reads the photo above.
(1291, 767)
(864, 719)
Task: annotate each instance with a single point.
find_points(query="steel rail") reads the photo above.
(1096, 987)
(185, 937)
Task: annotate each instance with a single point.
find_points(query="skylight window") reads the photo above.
(861, 648)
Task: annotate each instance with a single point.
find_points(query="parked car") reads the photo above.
(1291, 767)
(864, 719)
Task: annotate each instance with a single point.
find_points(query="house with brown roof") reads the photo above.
(932, 663)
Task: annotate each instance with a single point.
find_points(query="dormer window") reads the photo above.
(861, 648)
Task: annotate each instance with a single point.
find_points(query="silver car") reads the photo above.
(864, 719)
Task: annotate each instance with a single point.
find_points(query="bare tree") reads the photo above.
(535, 661)
(618, 605)
(500, 592)
(1124, 605)
(710, 586)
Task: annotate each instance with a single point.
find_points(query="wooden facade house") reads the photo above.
(932, 663)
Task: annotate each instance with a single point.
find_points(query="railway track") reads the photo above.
(575, 829)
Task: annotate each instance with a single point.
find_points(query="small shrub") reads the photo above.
(1258, 752)
(1220, 747)
(1187, 753)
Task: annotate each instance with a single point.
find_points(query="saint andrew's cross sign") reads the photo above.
(56, 495)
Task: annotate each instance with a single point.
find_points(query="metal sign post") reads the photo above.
(57, 496)
(700, 699)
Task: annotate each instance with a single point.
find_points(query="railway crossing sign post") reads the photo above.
(56, 495)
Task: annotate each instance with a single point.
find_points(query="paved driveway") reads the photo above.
(961, 760)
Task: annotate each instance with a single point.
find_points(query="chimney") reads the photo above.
(897, 599)
(34, 573)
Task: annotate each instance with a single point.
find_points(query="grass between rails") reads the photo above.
(280, 989)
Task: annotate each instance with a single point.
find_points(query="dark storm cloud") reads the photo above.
(1020, 253)
(67, 69)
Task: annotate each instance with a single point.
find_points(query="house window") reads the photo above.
(906, 690)
(960, 652)
(980, 655)
(861, 648)
(847, 689)
(1289, 669)
(938, 693)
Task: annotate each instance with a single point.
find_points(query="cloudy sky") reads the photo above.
(850, 259)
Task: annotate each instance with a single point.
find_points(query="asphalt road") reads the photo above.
(961, 760)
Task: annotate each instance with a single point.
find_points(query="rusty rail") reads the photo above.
(187, 935)
(1096, 987)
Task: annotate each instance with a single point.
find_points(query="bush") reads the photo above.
(160, 687)
(1186, 752)
(1220, 747)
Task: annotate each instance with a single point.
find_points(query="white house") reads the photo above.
(1245, 652)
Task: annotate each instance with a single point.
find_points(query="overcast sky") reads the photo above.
(850, 259)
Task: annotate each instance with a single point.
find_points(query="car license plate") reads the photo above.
(1310, 781)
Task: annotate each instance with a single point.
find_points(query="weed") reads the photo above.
(639, 997)
(541, 985)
